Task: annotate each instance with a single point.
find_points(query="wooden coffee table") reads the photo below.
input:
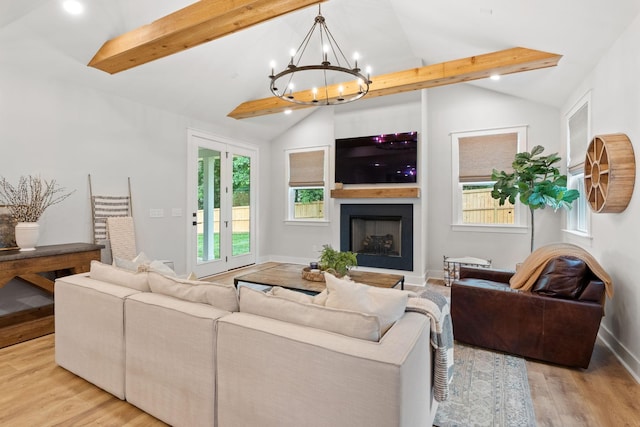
(290, 276)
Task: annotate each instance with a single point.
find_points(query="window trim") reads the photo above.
(521, 219)
(289, 205)
(578, 169)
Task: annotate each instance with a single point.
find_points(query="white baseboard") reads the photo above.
(626, 358)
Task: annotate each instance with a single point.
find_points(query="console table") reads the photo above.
(70, 258)
(73, 257)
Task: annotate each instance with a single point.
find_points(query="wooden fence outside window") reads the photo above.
(478, 207)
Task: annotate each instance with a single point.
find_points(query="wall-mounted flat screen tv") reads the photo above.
(377, 159)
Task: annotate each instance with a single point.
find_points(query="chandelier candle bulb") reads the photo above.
(292, 53)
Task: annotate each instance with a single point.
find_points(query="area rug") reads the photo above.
(488, 389)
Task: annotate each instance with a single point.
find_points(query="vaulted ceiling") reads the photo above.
(208, 81)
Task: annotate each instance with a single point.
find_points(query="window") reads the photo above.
(578, 215)
(578, 131)
(307, 184)
(474, 156)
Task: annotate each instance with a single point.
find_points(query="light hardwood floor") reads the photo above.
(36, 392)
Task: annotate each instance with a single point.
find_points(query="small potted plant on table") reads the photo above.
(335, 262)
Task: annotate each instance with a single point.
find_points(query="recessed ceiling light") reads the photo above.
(73, 7)
(288, 111)
(495, 77)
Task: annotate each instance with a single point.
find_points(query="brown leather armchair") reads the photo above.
(557, 321)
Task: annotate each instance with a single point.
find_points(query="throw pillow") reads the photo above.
(344, 322)
(218, 295)
(386, 304)
(291, 295)
(119, 276)
(321, 298)
(563, 277)
(142, 263)
(318, 299)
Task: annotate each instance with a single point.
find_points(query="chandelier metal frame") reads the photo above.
(323, 95)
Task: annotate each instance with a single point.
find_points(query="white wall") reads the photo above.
(467, 108)
(287, 241)
(65, 132)
(615, 107)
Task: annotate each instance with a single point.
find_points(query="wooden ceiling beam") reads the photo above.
(191, 26)
(509, 61)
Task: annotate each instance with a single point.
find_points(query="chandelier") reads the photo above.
(323, 83)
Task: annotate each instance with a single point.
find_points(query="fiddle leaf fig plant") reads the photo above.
(535, 182)
(337, 262)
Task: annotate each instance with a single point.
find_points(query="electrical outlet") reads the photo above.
(176, 212)
(156, 213)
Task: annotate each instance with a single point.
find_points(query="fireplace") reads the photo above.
(381, 234)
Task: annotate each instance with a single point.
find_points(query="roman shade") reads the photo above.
(578, 137)
(479, 155)
(306, 169)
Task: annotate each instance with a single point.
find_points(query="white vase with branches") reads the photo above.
(27, 202)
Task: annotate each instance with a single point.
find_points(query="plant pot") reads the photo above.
(27, 234)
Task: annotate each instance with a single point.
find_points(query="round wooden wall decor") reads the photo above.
(609, 173)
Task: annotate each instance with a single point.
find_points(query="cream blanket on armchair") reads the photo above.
(532, 267)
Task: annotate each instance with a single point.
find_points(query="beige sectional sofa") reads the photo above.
(194, 364)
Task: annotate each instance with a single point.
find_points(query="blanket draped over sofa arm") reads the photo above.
(532, 267)
(436, 307)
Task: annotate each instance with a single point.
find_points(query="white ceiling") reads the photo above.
(208, 81)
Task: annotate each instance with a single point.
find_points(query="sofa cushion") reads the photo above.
(298, 296)
(218, 295)
(119, 276)
(344, 322)
(594, 291)
(563, 277)
(386, 304)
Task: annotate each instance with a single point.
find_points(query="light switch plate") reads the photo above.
(156, 213)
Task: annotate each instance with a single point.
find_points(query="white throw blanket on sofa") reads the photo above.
(436, 307)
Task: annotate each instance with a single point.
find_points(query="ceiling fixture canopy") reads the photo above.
(315, 84)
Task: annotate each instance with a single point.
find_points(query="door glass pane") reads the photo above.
(208, 205)
(241, 212)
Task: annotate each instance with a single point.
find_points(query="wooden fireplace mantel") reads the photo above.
(376, 193)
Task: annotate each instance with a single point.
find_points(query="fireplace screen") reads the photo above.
(380, 233)
(376, 236)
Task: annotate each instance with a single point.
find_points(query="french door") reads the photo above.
(222, 209)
